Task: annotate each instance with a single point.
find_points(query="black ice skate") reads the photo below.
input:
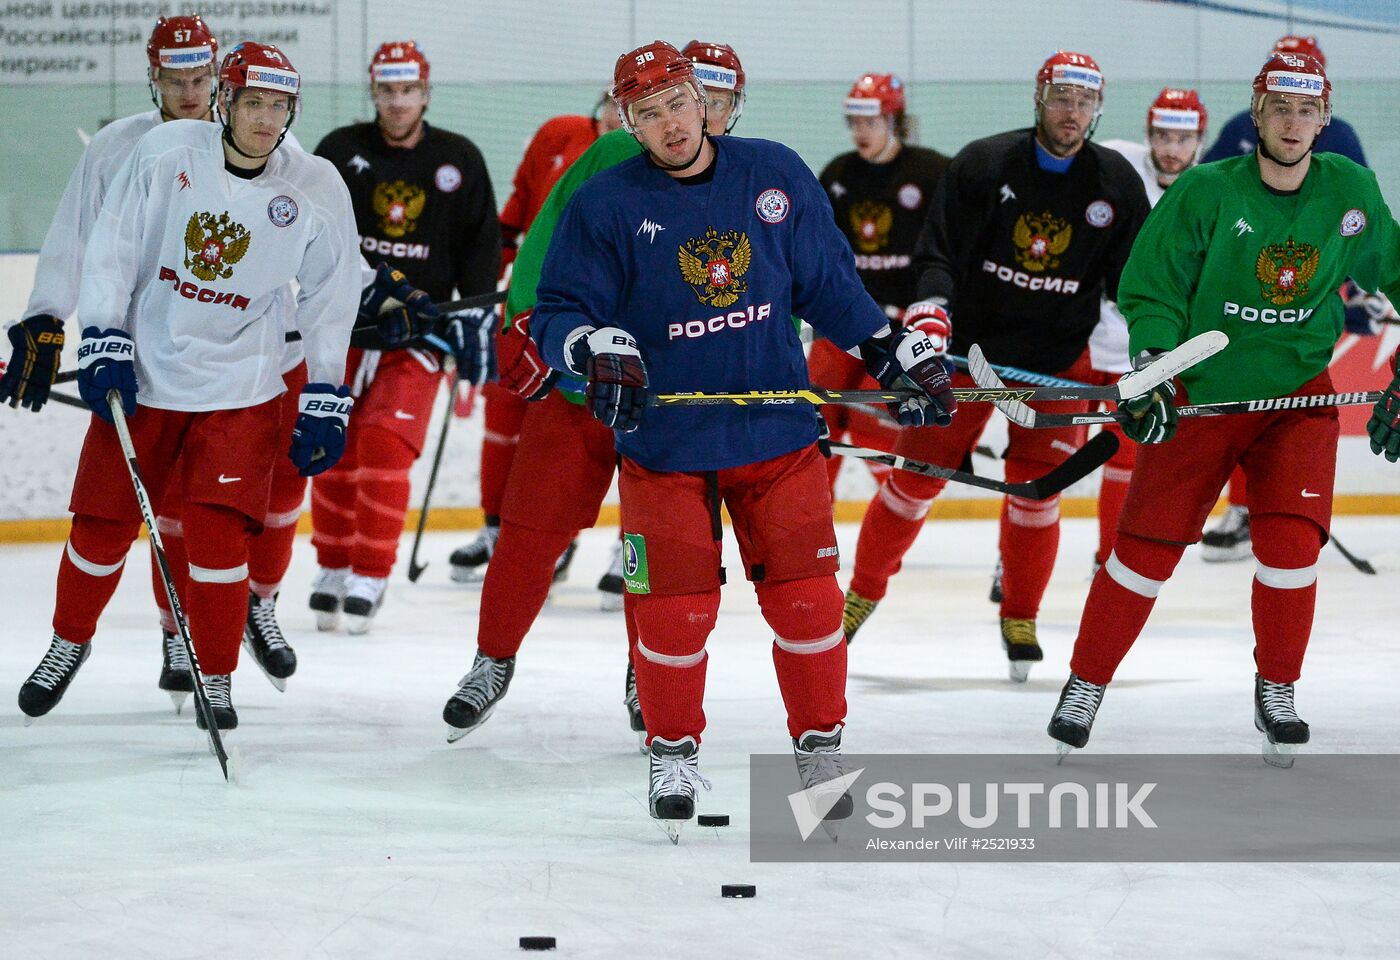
(856, 611)
(1229, 539)
(1274, 716)
(1021, 646)
(218, 687)
(263, 640)
(1073, 718)
(49, 681)
(818, 755)
(477, 695)
(675, 775)
(468, 563)
(363, 598)
(175, 678)
(994, 595)
(327, 594)
(634, 708)
(611, 585)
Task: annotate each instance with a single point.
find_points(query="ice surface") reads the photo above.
(357, 831)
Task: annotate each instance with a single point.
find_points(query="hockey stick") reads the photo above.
(882, 414)
(415, 570)
(1363, 566)
(182, 627)
(1080, 464)
(1036, 420)
(1022, 376)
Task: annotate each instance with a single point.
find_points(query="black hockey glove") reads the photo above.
(37, 342)
(400, 311)
(609, 360)
(1384, 425)
(1153, 413)
(911, 358)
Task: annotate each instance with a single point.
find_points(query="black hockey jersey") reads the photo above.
(1023, 255)
(881, 207)
(428, 211)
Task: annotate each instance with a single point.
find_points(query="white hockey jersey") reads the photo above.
(1108, 344)
(190, 260)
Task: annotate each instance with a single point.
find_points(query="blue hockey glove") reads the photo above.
(107, 361)
(400, 310)
(318, 439)
(37, 342)
(471, 336)
(609, 360)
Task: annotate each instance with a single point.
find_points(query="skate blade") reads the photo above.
(1019, 670)
(178, 698)
(326, 622)
(609, 602)
(673, 830)
(1279, 755)
(642, 741)
(467, 574)
(1062, 750)
(829, 828)
(456, 733)
(28, 720)
(357, 626)
(278, 683)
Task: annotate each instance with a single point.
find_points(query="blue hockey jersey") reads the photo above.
(706, 277)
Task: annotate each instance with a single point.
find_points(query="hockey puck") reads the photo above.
(714, 819)
(537, 943)
(745, 891)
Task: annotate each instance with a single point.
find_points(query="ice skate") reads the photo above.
(1275, 717)
(363, 598)
(675, 775)
(175, 676)
(218, 687)
(855, 612)
(818, 755)
(468, 563)
(263, 639)
(327, 594)
(1229, 540)
(1021, 646)
(611, 585)
(634, 709)
(49, 681)
(477, 694)
(994, 595)
(1073, 718)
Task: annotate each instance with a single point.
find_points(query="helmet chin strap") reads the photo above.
(228, 139)
(1268, 154)
(678, 166)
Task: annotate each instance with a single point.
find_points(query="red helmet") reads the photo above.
(1298, 74)
(875, 95)
(649, 70)
(1072, 69)
(717, 66)
(261, 66)
(1308, 45)
(180, 43)
(1177, 109)
(398, 61)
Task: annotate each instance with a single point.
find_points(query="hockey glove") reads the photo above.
(1365, 312)
(469, 335)
(1153, 413)
(37, 342)
(617, 378)
(107, 361)
(1384, 425)
(318, 439)
(400, 311)
(911, 358)
(522, 370)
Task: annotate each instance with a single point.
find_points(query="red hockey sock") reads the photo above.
(333, 509)
(1285, 592)
(892, 524)
(1030, 538)
(1120, 600)
(217, 539)
(504, 413)
(172, 538)
(88, 574)
(381, 501)
(516, 586)
(809, 650)
(270, 552)
(1113, 490)
(670, 661)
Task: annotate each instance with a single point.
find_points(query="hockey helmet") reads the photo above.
(398, 61)
(875, 95)
(1177, 109)
(1308, 45)
(717, 67)
(1296, 74)
(649, 70)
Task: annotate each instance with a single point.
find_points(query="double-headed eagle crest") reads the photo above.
(215, 244)
(1040, 239)
(713, 265)
(399, 206)
(1284, 270)
(870, 223)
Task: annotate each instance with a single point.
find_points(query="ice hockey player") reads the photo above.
(1056, 216)
(745, 241)
(1255, 246)
(880, 193)
(199, 235)
(424, 207)
(562, 447)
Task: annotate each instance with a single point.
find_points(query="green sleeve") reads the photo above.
(609, 150)
(1154, 294)
(1379, 267)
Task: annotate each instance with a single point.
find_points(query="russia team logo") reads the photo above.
(772, 205)
(214, 245)
(448, 178)
(282, 211)
(714, 265)
(1353, 222)
(1099, 214)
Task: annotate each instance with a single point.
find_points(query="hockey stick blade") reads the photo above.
(1080, 464)
(1183, 357)
(415, 569)
(1364, 566)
